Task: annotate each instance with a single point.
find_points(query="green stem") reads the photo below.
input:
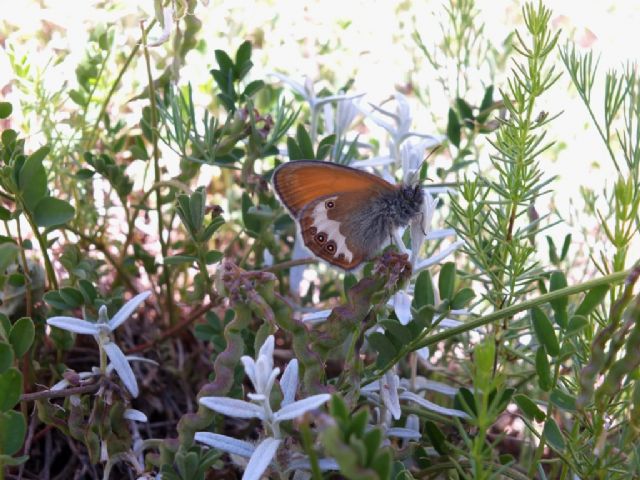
(94, 131)
(428, 340)
(166, 278)
(51, 274)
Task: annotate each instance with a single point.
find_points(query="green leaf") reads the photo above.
(462, 298)
(553, 253)
(50, 212)
(577, 323)
(592, 299)
(5, 109)
(21, 336)
(10, 389)
(383, 346)
(529, 408)
(436, 437)
(487, 101)
(544, 331)
(543, 369)
(293, 150)
(224, 61)
(464, 109)
(558, 281)
(465, 401)
(553, 435)
(424, 293)
(447, 280)
(71, 296)
(54, 299)
(243, 54)
(33, 179)
(565, 246)
(12, 431)
(563, 400)
(8, 254)
(179, 259)
(213, 256)
(325, 146)
(6, 356)
(5, 327)
(304, 142)
(453, 128)
(252, 88)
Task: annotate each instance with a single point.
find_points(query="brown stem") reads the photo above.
(67, 392)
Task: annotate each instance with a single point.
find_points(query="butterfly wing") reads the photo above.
(300, 182)
(333, 229)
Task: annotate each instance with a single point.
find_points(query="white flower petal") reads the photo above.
(426, 263)
(401, 432)
(261, 458)
(423, 353)
(423, 402)
(135, 415)
(266, 350)
(389, 393)
(127, 309)
(372, 162)
(442, 233)
(300, 407)
(75, 325)
(233, 407)
(295, 86)
(122, 367)
(316, 317)
(166, 30)
(402, 306)
(325, 464)
(132, 358)
(250, 369)
(225, 443)
(289, 382)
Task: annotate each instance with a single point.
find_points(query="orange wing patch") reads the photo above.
(300, 182)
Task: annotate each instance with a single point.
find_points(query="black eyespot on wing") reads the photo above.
(329, 204)
(330, 247)
(321, 237)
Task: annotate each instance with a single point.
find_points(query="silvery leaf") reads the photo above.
(250, 369)
(316, 317)
(261, 458)
(75, 325)
(295, 409)
(127, 309)
(233, 407)
(389, 393)
(225, 443)
(122, 367)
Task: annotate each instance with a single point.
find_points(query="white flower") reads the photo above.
(400, 127)
(166, 24)
(262, 374)
(102, 332)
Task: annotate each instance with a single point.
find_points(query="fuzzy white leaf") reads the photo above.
(233, 407)
(122, 367)
(295, 409)
(389, 393)
(225, 443)
(261, 459)
(437, 258)
(127, 309)
(75, 325)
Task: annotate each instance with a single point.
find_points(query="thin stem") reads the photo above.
(428, 340)
(156, 167)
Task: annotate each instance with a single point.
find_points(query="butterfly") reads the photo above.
(344, 214)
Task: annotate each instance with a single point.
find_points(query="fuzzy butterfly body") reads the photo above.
(344, 215)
